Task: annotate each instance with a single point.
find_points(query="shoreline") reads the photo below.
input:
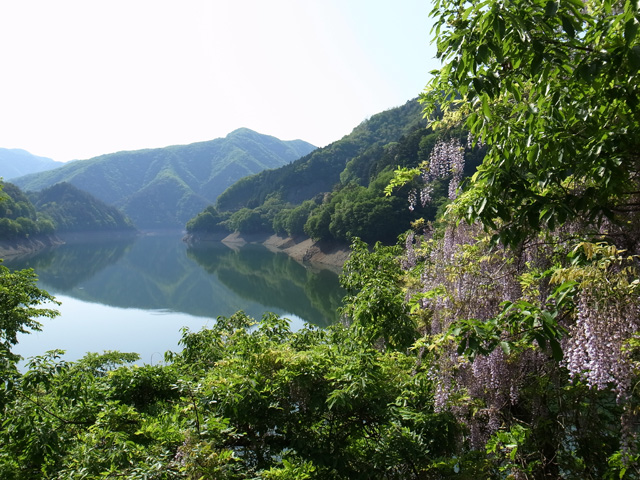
(26, 246)
(303, 249)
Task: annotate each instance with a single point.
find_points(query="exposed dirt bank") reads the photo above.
(302, 249)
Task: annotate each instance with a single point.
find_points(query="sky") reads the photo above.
(81, 78)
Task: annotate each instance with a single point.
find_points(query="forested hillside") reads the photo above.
(18, 216)
(59, 209)
(16, 163)
(320, 170)
(163, 188)
(73, 210)
(501, 341)
(337, 192)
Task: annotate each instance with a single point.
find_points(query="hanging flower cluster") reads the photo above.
(446, 161)
(463, 277)
(607, 316)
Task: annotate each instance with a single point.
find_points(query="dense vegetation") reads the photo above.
(18, 217)
(320, 170)
(59, 209)
(73, 210)
(165, 187)
(502, 341)
(335, 193)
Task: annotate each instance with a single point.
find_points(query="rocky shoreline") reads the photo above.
(302, 249)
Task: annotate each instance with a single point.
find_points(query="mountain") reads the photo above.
(165, 187)
(74, 210)
(333, 193)
(337, 192)
(320, 170)
(16, 163)
(59, 209)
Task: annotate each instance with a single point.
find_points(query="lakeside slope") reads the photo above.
(302, 249)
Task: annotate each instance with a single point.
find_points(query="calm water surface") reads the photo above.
(135, 295)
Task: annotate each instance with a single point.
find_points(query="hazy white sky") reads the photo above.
(79, 78)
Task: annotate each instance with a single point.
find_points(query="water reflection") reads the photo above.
(274, 280)
(69, 265)
(156, 272)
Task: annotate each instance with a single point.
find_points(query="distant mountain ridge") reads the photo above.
(319, 170)
(338, 192)
(165, 187)
(16, 162)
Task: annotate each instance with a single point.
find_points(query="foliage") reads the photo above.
(527, 352)
(531, 308)
(73, 210)
(61, 208)
(349, 203)
(248, 400)
(18, 217)
(318, 171)
(246, 220)
(20, 304)
(552, 88)
(207, 221)
(507, 346)
(375, 299)
(357, 211)
(292, 220)
(293, 199)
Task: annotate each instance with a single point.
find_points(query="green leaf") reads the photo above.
(634, 58)
(515, 90)
(485, 106)
(536, 62)
(556, 350)
(483, 204)
(462, 346)
(550, 8)
(533, 153)
(630, 31)
(499, 27)
(567, 25)
(483, 53)
(478, 84)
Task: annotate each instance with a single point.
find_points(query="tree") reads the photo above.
(207, 221)
(537, 340)
(20, 305)
(553, 88)
(375, 300)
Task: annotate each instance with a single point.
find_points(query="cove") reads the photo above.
(136, 294)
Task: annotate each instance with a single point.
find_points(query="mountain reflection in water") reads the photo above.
(158, 274)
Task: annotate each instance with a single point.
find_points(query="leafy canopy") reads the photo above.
(553, 88)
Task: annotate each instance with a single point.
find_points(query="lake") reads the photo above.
(136, 294)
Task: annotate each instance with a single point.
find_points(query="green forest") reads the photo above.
(18, 216)
(334, 193)
(498, 337)
(60, 209)
(337, 193)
